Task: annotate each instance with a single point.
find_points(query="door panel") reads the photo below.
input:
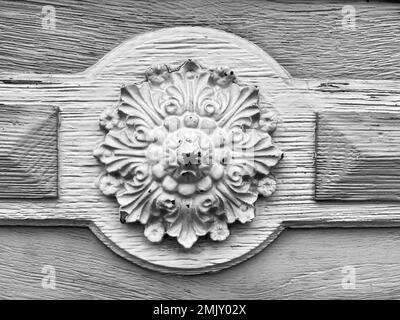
(308, 39)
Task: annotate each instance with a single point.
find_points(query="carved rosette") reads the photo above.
(187, 152)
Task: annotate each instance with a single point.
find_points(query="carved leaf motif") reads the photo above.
(187, 224)
(119, 153)
(254, 151)
(187, 153)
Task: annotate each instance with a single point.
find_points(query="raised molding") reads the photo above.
(83, 97)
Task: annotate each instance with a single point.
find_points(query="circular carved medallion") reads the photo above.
(187, 152)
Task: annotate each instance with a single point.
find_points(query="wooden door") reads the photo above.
(343, 51)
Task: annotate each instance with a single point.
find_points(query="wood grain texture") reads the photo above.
(82, 97)
(307, 40)
(300, 264)
(305, 36)
(28, 151)
(358, 156)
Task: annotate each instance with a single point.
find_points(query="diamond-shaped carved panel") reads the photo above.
(28, 152)
(358, 156)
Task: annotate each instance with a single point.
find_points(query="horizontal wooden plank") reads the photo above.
(28, 151)
(306, 37)
(300, 264)
(358, 156)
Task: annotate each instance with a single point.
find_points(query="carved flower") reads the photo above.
(109, 185)
(222, 76)
(269, 121)
(188, 152)
(266, 186)
(158, 74)
(154, 231)
(219, 231)
(109, 118)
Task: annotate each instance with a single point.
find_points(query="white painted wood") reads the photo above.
(300, 264)
(187, 152)
(82, 97)
(303, 36)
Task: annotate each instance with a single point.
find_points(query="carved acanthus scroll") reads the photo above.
(187, 152)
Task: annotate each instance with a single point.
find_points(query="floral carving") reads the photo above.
(187, 152)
